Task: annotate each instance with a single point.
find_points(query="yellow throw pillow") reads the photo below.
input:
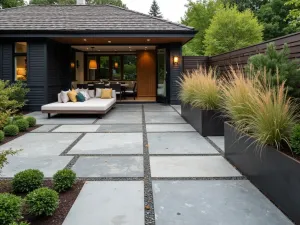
(106, 93)
(72, 95)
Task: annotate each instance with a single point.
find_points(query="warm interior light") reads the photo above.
(72, 65)
(21, 71)
(116, 65)
(93, 64)
(84, 39)
(176, 60)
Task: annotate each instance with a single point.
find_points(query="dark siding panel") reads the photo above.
(1, 52)
(192, 62)
(36, 74)
(59, 73)
(175, 73)
(7, 62)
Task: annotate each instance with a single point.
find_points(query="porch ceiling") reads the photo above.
(113, 48)
(121, 40)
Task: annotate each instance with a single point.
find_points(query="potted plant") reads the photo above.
(257, 138)
(200, 101)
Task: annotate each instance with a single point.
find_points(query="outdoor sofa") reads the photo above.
(94, 105)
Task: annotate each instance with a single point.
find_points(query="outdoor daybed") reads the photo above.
(94, 105)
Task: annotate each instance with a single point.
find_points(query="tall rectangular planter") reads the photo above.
(274, 173)
(206, 122)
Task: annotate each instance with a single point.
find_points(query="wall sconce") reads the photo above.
(72, 65)
(116, 65)
(77, 64)
(176, 60)
(93, 64)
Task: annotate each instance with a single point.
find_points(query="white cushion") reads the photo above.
(98, 93)
(94, 104)
(64, 96)
(91, 93)
(59, 98)
(77, 90)
(85, 94)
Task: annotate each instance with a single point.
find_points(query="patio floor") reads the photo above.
(143, 155)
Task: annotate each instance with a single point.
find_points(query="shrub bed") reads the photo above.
(27, 180)
(11, 130)
(10, 208)
(64, 180)
(22, 124)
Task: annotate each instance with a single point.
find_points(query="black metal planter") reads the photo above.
(206, 122)
(274, 173)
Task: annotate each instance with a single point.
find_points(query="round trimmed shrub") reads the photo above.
(64, 180)
(31, 120)
(18, 117)
(42, 202)
(27, 180)
(22, 124)
(1, 136)
(295, 139)
(11, 130)
(10, 208)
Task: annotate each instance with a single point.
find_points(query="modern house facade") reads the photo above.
(56, 47)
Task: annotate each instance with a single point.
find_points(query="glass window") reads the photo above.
(21, 47)
(104, 67)
(129, 67)
(116, 68)
(20, 58)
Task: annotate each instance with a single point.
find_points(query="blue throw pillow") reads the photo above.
(80, 97)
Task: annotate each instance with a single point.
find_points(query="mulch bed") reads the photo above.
(67, 199)
(8, 139)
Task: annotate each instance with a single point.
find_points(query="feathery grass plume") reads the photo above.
(257, 108)
(200, 88)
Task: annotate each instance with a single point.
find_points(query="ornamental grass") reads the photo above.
(258, 109)
(200, 88)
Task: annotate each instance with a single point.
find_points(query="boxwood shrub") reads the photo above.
(27, 180)
(22, 124)
(42, 202)
(1, 135)
(10, 208)
(31, 120)
(11, 130)
(64, 180)
(18, 117)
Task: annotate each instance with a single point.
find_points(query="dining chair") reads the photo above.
(132, 92)
(117, 88)
(101, 86)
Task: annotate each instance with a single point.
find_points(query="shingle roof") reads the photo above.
(83, 18)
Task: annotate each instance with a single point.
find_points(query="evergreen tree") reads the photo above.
(155, 10)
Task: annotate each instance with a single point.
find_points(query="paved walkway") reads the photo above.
(143, 165)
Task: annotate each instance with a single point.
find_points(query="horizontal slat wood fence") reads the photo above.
(240, 57)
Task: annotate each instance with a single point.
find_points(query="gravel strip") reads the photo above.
(72, 162)
(199, 178)
(64, 153)
(53, 129)
(148, 192)
(215, 146)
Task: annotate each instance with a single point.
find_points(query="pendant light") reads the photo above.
(93, 63)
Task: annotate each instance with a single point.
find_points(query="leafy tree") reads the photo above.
(273, 16)
(230, 30)
(294, 14)
(277, 62)
(242, 5)
(42, 2)
(199, 15)
(110, 2)
(11, 3)
(155, 10)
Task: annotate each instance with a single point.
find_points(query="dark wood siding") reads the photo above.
(58, 68)
(240, 57)
(175, 72)
(192, 62)
(7, 61)
(37, 74)
(1, 53)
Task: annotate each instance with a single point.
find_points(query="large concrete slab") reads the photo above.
(41, 144)
(219, 141)
(157, 107)
(77, 128)
(108, 203)
(128, 107)
(49, 165)
(120, 128)
(121, 117)
(191, 166)
(109, 143)
(177, 108)
(109, 166)
(163, 117)
(44, 129)
(179, 143)
(169, 128)
(211, 202)
(63, 119)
